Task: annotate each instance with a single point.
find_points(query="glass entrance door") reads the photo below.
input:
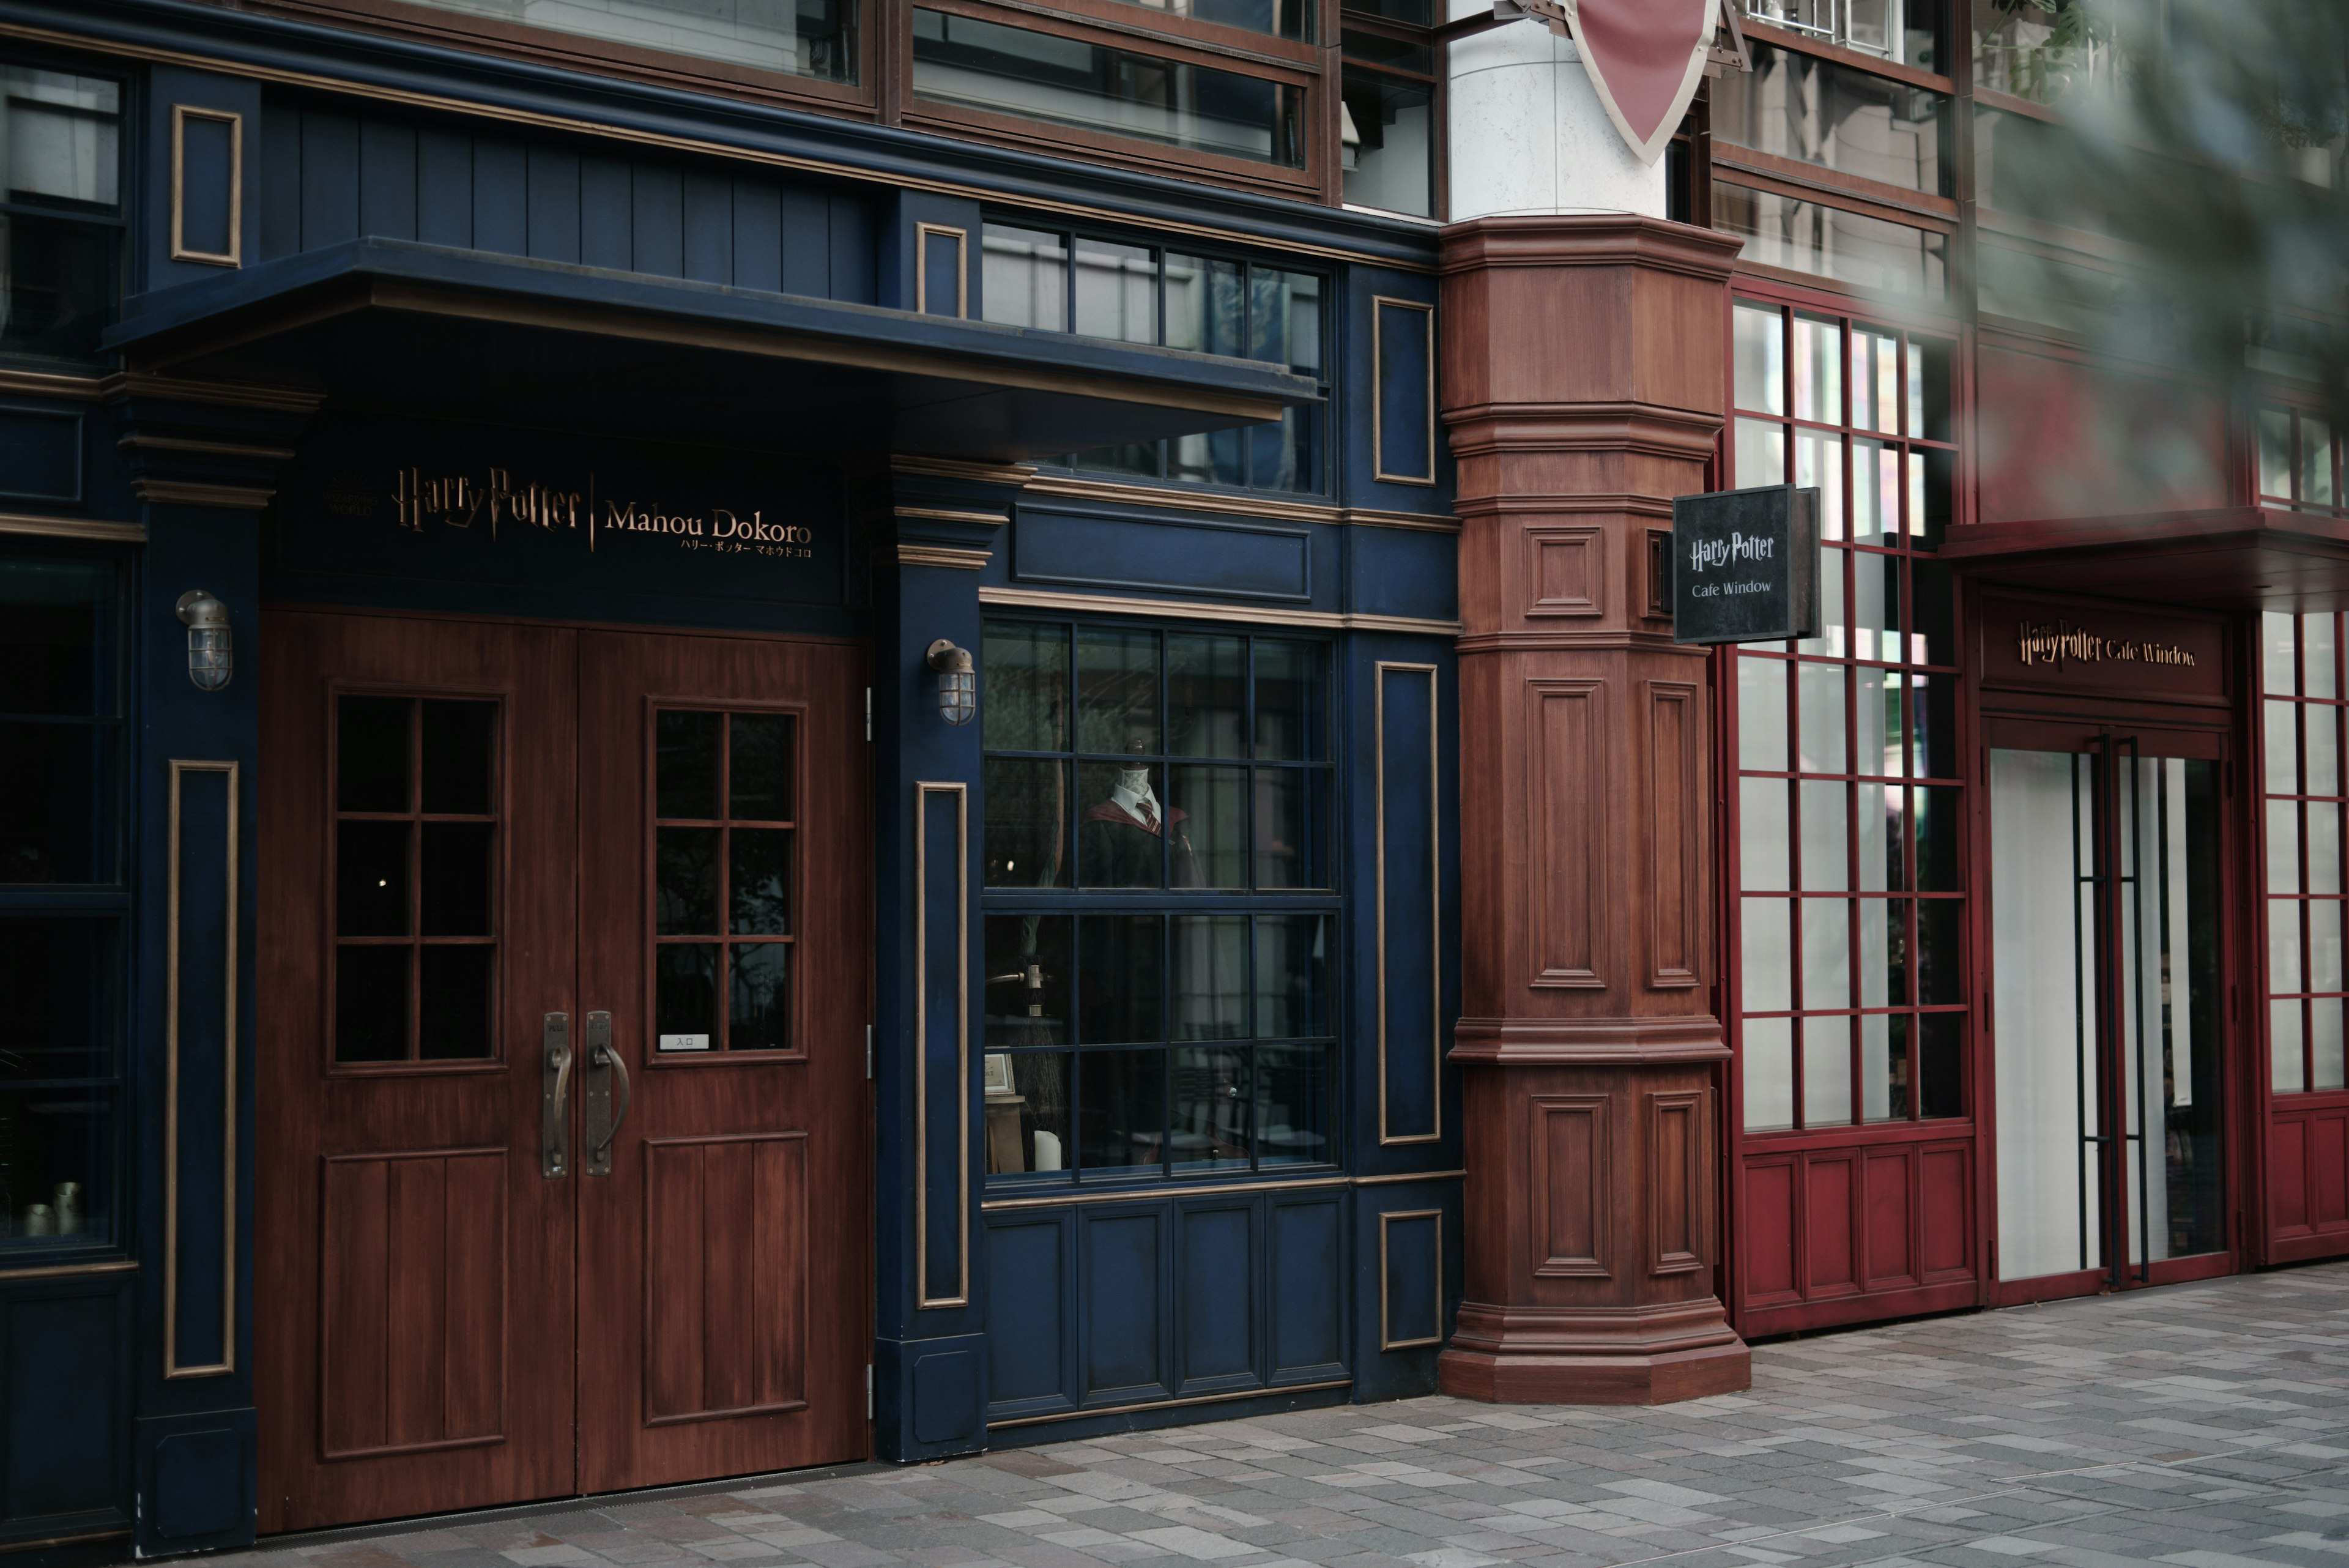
(2105, 1020)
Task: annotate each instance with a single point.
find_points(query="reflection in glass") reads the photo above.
(2325, 1039)
(1766, 963)
(1830, 640)
(1827, 952)
(1116, 291)
(1028, 1124)
(55, 800)
(2279, 635)
(370, 1004)
(1832, 242)
(1292, 685)
(1758, 339)
(453, 1021)
(1762, 714)
(685, 765)
(759, 882)
(371, 753)
(1766, 1074)
(1026, 669)
(1117, 692)
(1121, 1109)
(1878, 818)
(2283, 945)
(1028, 980)
(1293, 827)
(1387, 155)
(1763, 856)
(1120, 981)
(1125, 829)
(799, 37)
(371, 878)
(1210, 1129)
(57, 1142)
(1208, 819)
(1875, 505)
(1826, 1072)
(1761, 454)
(2323, 818)
(685, 897)
(1206, 695)
(1024, 282)
(1292, 1109)
(1818, 461)
(2287, 1070)
(1883, 1066)
(1210, 977)
(685, 995)
(1940, 981)
(1935, 825)
(1818, 371)
(1940, 1063)
(1822, 722)
(2283, 847)
(457, 747)
(1826, 849)
(1933, 635)
(2317, 650)
(759, 991)
(1876, 605)
(1883, 951)
(55, 974)
(1291, 976)
(1026, 833)
(456, 892)
(2320, 723)
(2283, 743)
(759, 766)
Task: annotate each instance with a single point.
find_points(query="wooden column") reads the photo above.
(1583, 384)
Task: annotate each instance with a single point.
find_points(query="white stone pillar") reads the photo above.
(1528, 134)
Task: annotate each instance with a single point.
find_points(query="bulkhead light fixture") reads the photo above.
(958, 682)
(211, 657)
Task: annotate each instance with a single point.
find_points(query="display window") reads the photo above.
(2300, 706)
(61, 219)
(64, 900)
(1160, 914)
(1846, 820)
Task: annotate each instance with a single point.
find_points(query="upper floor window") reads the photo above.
(1905, 32)
(813, 38)
(2301, 743)
(61, 224)
(1160, 924)
(1799, 105)
(2299, 459)
(1388, 117)
(1056, 282)
(1833, 242)
(2037, 51)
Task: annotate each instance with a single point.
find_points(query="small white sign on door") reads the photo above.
(685, 1042)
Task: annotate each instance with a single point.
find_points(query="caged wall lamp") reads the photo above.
(211, 657)
(958, 682)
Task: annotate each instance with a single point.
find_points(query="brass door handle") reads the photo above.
(603, 1116)
(554, 1096)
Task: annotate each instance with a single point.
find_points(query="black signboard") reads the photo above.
(1745, 565)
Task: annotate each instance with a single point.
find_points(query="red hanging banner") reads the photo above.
(1645, 58)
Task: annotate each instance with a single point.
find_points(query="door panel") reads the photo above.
(413, 1347)
(724, 1314)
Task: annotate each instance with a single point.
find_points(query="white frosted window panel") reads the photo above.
(1826, 850)
(2283, 945)
(2324, 1042)
(1874, 501)
(1876, 697)
(2323, 944)
(2285, 1069)
(1820, 719)
(1826, 1072)
(62, 135)
(2282, 748)
(2316, 639)
(2323, 818)
(1882, 925)
(1876, 604)
(1916, 390)
(2315, 461)
(2276, 653)
(1766, 1069)
(1827, 953)
(1875, 1102)
(2283, 847)
(1818, 371)
(1876, 816)
(1818, 461)
(2177, 1008)
(2320, 737)
(2041, 931)
(1875, 380)
(1761, 454)
(1762, 715)
(1024, 278)
(1917, 512)
(1830, 640)
(1759, 347)
(1763, 859)
(1116, 292)
(1767, 954)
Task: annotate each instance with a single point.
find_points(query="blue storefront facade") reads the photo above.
(900, 684)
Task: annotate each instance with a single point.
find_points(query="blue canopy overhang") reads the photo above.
(419, 328)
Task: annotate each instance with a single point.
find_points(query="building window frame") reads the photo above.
(2303, 701)
(113, 227)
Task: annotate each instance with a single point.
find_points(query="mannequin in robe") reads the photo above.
(1119, 836)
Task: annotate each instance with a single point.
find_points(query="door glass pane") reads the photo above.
(1826, 1072)
(1940, 1063)
(457, 762)
(1766, 1063)
(1027, 825)
(1206, 695)
(1827, 952)
(758, 991)
(457, 867)
(371, 753)
(685, 765)
(371, 878)
(1028, 980)
(371, 1003)
(1758, 341)
(1293, 1101)
(453, 988)
(758, 767)
(1883, 1066)
(1121, 981)
(1121, 1109)
(685, 897)
(759, 881)
(1210, 963)
(685, 995)
(1212, 1101)
(2044, 1028)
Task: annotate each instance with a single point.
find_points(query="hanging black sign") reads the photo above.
(1745, 565)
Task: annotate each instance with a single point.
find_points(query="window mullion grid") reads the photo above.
(415, 881)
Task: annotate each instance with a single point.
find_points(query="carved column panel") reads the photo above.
(1583, 385)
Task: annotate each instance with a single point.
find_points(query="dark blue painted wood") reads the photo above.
(1387, 401)
(1417, 1285)
(330, 179)
(554, 196)
(1122, 1252)
(849, 231)
(1219, 1292)
(209, 175)
(659, 220)
(1404, 572)
(387, 180)
(607, 188)
(202, 1337)
(68, 1347)
(40, 453)
(941, 907)
(444, 188)
(1408, 829)
(1413, 1279)
(202, 1482)
(1028, 1320)
(1405, 345)
(758, 237)
(708, 227)
(279, 188)
(1308, 1304)
(807, 243)
(1084, 547)
(501, 196)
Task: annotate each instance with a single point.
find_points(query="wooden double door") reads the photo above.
(563, 1126)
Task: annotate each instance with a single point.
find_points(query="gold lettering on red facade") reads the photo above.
(2060, 642)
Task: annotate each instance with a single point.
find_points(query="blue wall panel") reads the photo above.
(387, 180)
(606, 187)
(1409, 1029)
(40, 453)
(1068, 547)
(1124, 1339)
(221, 161)
(1219, 1284)
(444, 189)
(709, 224)
(1308, 1305)
(67, 1446)
(555, 182)
(329, 183)
(202, 1336)
(1027, 1313)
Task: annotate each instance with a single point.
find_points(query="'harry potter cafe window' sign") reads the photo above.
(1745, 565)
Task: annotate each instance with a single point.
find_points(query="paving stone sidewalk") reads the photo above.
(2203, 1425)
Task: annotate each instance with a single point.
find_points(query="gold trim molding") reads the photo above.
(1236, 505)
(181, 768)
(65, 1270)
(941, 556)
(923, 791)
(1176, 609)
(1379, 672)
(143, 384)
(180, 114)
(961, 238)
(948, 515)
(1386, 1336)
(181, 493)
(86, 528)
(1273, 1392)
(1378, 391)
